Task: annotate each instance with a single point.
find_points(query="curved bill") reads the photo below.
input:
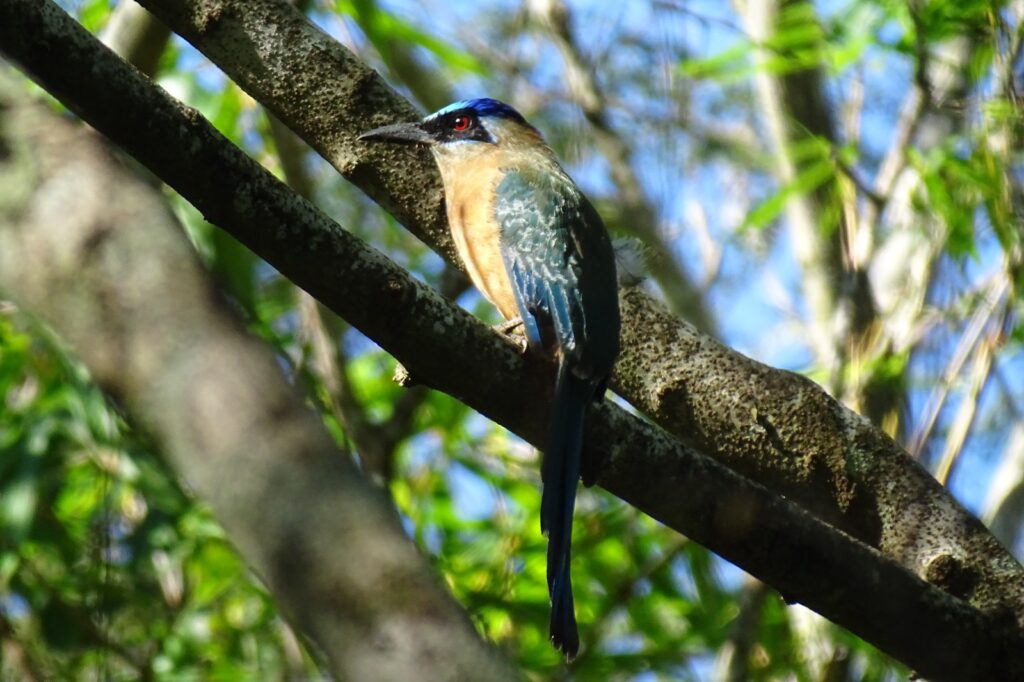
(399, 132)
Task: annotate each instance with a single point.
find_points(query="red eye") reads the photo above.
(460, 123)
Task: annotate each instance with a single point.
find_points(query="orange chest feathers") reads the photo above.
(470, 199)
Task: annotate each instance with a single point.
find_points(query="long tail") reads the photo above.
(560, 473)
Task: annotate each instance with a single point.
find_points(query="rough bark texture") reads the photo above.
(327, 96)
(783, 430)
(775, 426)
(277, 56)
(96, 252)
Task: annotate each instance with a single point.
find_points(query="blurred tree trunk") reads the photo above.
(120, 283)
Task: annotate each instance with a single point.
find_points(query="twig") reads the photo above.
(860, 183)
(922, 57)
(733, 663)
(979, 320)
(963, 422)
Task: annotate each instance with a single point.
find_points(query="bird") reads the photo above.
(536, 248)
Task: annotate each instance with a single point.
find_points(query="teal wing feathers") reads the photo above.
(562, 268)
(562, 271)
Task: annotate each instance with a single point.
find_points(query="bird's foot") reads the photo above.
(508, 326)
(508, 329)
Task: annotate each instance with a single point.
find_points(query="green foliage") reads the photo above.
(729, 65)
(968, 190)
(107, 570)
(384, 28)
(951, 192)
(800, 41)
(816, 169)
(94, 14)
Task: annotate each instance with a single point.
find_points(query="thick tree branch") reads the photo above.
(774, 424)
(374, 442)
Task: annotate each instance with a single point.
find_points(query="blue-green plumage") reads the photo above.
(562, 270)
(535, 247)
(561, 265)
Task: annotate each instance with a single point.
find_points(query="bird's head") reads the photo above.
(464, 128)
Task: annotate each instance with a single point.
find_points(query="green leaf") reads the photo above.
(383, 27)
(211, 572)
(731, 65)
(18, 507)
(94, 14)
(813, 176)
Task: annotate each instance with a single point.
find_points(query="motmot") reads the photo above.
(537, 249)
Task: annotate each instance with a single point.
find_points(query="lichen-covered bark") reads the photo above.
(793, 437)
(773, 426)
(784, 431)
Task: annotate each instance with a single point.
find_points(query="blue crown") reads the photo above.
(483, 106)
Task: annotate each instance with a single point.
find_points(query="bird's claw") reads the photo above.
(508, 326)
(508, 329)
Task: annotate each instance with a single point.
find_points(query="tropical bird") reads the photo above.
(536, 248)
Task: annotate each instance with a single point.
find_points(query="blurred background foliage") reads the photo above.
(710, 133)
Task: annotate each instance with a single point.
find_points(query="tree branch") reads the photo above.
(136, 35)
(733, 662)
(774, 424)
(775, 427)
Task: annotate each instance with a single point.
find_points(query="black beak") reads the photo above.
(399, 132)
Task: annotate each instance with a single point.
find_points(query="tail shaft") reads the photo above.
(560, 473)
